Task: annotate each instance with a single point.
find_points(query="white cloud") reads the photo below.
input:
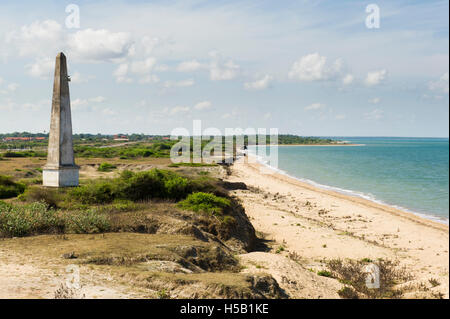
(142, 67)
(375, 100)
(149, 43)
(376, 77)
(178, 110)
(260, 84)
(440, 85)
(78, 78)
(12, 87)
(348, 79)
(161, 68)
(108, 111)
(183, 83)
(101, 45)
(232, 114)
(36, 38)
(149, 79)
(7, 105)
(203, 105)
(41, 68)
(78, 104)
(222, 72)
(314, 106)
(121, 74)
(221, 69)
(375, 114)
(37, 106)
(189, 66)
(313, 67)
(98, 99)
(86, 104)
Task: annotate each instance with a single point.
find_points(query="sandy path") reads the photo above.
(319, 224)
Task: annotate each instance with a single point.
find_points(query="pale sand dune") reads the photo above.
(38, 279)
(319, 224)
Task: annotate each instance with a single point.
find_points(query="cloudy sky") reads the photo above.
(304, 67)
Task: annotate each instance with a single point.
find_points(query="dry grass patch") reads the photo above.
(186, 267)
(353, 274)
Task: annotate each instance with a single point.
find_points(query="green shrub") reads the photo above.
(324, 273)
(28, 219)
(106, 167)
(177, 187)
(96, 192)
(88, 222)
(24, 154)
(229, 220)
(9, 189)
(126, 175)
(207, 184)
(142, 186)
(125, 152)
(50, 196)
(205, 202)
(280, 249)
(348, 293)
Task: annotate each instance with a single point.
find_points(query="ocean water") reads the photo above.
(407, 173)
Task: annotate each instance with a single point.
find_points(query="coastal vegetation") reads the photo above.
(353, 274)
(106, 167)
(170, 234)
(9, 188)
(91, 207)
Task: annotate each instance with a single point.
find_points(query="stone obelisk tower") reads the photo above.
(60, 170)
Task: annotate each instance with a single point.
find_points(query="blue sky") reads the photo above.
(304, 67)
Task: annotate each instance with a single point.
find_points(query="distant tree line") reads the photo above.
(104, 139)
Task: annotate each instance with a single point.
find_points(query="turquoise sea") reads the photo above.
(407, 173)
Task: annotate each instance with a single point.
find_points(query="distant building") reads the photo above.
(121, 138)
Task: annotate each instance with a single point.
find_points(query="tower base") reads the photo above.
(61, 177)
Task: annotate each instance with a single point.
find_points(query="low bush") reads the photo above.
(176, 187)
(125, 152)
(49, 196)
(94, 192)
(38, 218)
(24, 154)
(141, 186)
(23, 220)
(348, 293)
(106, 167)
(9, 188)
(324, 273)
(135, 187)
(87, 222)
(205, 202)
(354, 274)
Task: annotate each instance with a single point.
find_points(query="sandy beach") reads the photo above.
(318, 225)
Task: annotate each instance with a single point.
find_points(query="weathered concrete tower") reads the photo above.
(60, 170)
